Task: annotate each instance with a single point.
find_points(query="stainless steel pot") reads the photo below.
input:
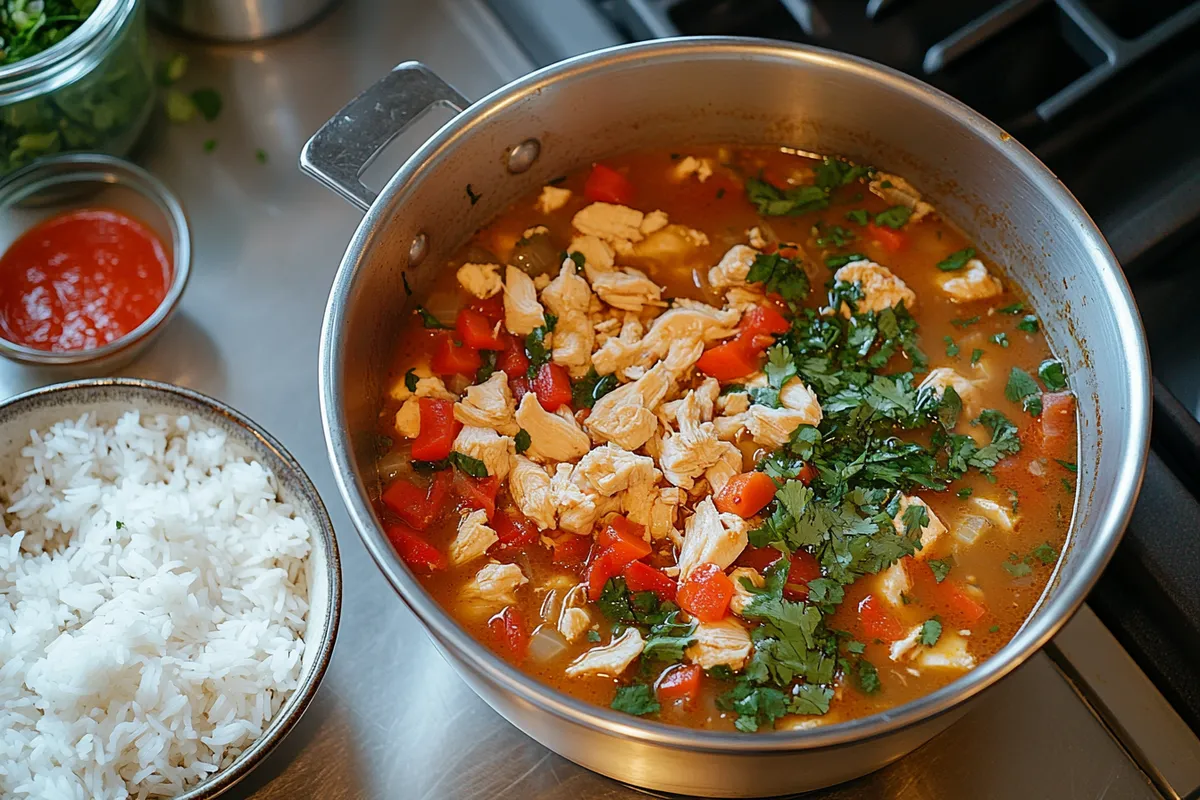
(673, 93)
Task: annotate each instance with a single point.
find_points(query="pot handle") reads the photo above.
(343, 147)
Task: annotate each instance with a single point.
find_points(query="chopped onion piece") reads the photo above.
(546, 643)
(393, 464)
(969, 528)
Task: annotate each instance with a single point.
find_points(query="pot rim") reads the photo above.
(1035, 633)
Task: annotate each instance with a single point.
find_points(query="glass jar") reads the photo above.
(92, 91)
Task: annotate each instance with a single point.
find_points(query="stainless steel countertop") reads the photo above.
(392, 720)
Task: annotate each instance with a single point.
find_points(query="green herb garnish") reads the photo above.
(956, 260)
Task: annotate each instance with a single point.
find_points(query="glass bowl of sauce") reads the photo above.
(94, 256)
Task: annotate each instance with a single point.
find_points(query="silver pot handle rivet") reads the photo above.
(521, 157)
(418, 249)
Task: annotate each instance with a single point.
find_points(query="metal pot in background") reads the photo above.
(238, 20)
(675, 93)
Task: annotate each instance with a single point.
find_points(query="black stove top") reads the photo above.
(1107, 94)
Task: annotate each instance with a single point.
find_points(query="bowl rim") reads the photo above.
(295, 706)
(65, 169)
(492, 669)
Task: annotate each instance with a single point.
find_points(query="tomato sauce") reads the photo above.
(80, 280)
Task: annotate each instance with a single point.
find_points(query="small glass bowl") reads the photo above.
(72, 181)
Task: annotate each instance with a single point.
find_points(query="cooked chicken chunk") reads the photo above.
(597, 255)
(756, 238)
(687, 454)
(627, 289)
(899, 192)
(664, 511)
(619, 226)
(733, 267)
(493, 588)
(894, 582)
(742, 298)
(577, 509)
(999, 515)
(907, 647)
(929, 533)
(481, 280)
(408, 419)
(687, 320)
(711, 537)
(574, 618)
(609, 469)
(773, 427)
(950, 652)
(690, 165)
(529, 485)
(938, 379)
(495, 451)
(552, 437)
(489, 405)
(522, 311)
(671, 243)
(473, 538)
(625, 415)
(725, 642)
(568, 298)
(880, 288)
(612, 658)
(552, 199)
(728, 465)
(742, 595)
(733, 403)
(427, 386)
(654, 222)
(976, 283)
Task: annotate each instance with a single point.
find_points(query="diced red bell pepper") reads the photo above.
(453, 359)
(877, 622)
(418, 506)
(1058, 424)
(477, 493)
(571, 550)
(477, 331)
(627, 538)
(552, 385)
(519, 388)
(512, 360)
(606, 185)
(730, 360)
(438, 429)
(599, 571)
(706, 592)
(490, 307)
(746, 494)
(892, 240)
(680, 685)
(806, 473)
(511, 635)
(514, 530)
(641, 577)
(414, 549)
(764, 319)
(962, 606)
(803, 568)
(759, 558)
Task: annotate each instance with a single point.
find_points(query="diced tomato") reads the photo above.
(418, 506)
(892, 240)
(477, 331)
(509, 631)
(599, 570)
(804, 568)
(438, 429)
(606, 185)
(552, 385)
(706, 593)
(746, 494)
(1058, 423)
(961, 604)
(877, 622)
(680, 684)
(519, 388)
(806, 473)
(414, 549)
(477, 493)
(512, 360)
(491, 307)
(453, 359)
(641, 577)
(571, 550)
(759, 558)
(731, 360)
(764, 320)
(624, 536)
(514, 530)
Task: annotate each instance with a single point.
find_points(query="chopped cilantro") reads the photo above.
(859, 216)
(590, 388)
(593, 635)
(179, 106)
(1067, 465)
(473, 195)
(834, 172)
(771, 201)
(915, 519)
(866, 677)
(1045, 553)
(894, 217)
(472, 466)
(756, 706)
(1000, 338)
(410, 380)
(976, 354)
(965, 492)
(1023, 389)
(120, 525)
(811, 700)
(956, 260)
(1016, 566)
(632, 608)
(841, 260)
(855, 647)
(579, 258)
(1029, 324)
(994, 629)
(487, 365)
(931, 631)
(962, 323)
(522, 440)
(207, 102)
(779, 275)
(669, 638)
(431, 466)
(834, 236)
(941, 567)
(1068, 486)
(1052, 375)
(951, 347)
(637, 699)
(1004, 440)
(535, 346)
(430, 321)
(1014, 309)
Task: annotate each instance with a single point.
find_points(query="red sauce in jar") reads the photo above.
(80, 280)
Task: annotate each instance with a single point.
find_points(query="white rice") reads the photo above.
(152, 601)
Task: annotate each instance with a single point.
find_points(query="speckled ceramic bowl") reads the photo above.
(106, 399)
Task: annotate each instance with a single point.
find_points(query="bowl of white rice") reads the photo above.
(170, 590)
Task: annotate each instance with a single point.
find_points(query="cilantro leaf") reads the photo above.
(472, 466)
(894, 217)
(1052, 375)
(931, 631)
(841, 260)
(1016, 566)
(1067, 465)
(832, 173)
(1014, 309)
(965, 492)
(522, 440)
(1029, 324)
(1004, 440)
(669, 638)
(1020, 385)
(779, 275)
(430, 321)
(590, 388)
(756, 706)
(487, 365)
(779, 367)
(811, 700)
(593, 636)
(976, 354)
(1000, 338)
(940, 567)
(956, 260)
(858, 216)
(915, 519)
(771, 201)
(637, 699)
(866, 677)
(410, 380)
(535, 346)
(1045, 553)
(951, 347)
(962, 323)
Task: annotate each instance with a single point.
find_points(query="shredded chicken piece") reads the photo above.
(578, 505)
(905, 648)
(473, 538)
(568, 298)
(627, 289)
(726, 642)
(609, 469)
(733, 403)
(495, 451)
(929, 533)
(893, 583)
(728, 465)
(552, 437)
(733, 267)
(664, 511)
(687, 328)
(610, 659)
(625, 415)
(690, 165)
(489, 405)
(742, 595)
(408, 419)
(574, 618)
(950, 653)
(999, 515)
(529, 485)
(619, 226)
(552, 199)
(756, 238)
(711, 537)
(773, 427)
(427, 386)
(493, 588)
(976, 283)
(481, 280)
(522, 311)
(686, 455)
(900, 192)
(653, 222)
(671, 243)
(880, 287)
(597, 255)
